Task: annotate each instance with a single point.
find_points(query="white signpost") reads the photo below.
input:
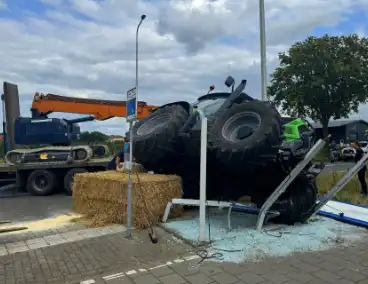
(131, 116)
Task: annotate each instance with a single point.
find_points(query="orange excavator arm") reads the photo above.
(100, 109)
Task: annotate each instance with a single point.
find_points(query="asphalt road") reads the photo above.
(30, 208)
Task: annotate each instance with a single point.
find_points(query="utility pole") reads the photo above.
(262, 29)
(134, 93)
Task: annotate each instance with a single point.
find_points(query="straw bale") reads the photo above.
(102, 196)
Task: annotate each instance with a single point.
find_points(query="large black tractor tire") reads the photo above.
(300, 197)
(41, 182)
(155, 137)
(247, 134)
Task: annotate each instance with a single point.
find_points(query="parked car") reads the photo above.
(347, 153)
(364, 146)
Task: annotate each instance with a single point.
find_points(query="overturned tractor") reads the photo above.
(251, 149)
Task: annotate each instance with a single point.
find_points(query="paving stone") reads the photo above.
(15, 244)
(146, 279)
(68, 262)
(161, 271)
(83, 259)
(351, 275)
(122, 280)
(326, 276)
(276, 278)
(72, 236)
(55, 240)
(256, 268)
(290, 282)
(250, 278)
(211, 269)
(199, 278)
(332, 267)
(186, 268)
(317, 281)
(38, 245)
(234, 269)
(344, 281)
(17, 249)
(301, 277)
(91, 233)
(137, 273)
(35, 241)
(172, 279)
(305, 267)
(224, 278)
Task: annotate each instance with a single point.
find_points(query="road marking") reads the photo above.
(139, 270)
(90, 281)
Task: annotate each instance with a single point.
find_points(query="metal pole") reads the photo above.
(203, 179)
(130, 182)
(262, 29)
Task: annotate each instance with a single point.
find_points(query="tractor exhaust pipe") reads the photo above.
(12, 110)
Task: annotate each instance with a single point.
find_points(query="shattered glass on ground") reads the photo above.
(244, 243)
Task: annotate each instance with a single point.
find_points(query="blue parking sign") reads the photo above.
(131, 105)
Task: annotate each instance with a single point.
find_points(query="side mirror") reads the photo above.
(229, 81)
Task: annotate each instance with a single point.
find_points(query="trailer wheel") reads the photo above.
(69, 179)
(41, 182)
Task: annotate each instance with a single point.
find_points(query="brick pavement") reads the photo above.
(68, 262)
(347, 265)
(113, 259)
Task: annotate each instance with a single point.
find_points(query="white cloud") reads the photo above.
(3, 5)
(87, 48)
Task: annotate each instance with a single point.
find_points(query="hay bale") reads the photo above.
(349, 193)
(102, 196)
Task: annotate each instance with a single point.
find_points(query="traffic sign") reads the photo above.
(131, 105)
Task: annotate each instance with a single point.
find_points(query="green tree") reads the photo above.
(322, 78)
(94, 136)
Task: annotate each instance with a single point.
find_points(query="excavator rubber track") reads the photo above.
(68, 154)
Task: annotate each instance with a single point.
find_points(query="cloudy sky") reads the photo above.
(86, 48)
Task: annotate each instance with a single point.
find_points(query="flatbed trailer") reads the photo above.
(46, 177)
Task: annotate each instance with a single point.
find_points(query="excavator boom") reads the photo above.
(100, 109)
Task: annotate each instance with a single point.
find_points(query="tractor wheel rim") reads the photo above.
(232, 126)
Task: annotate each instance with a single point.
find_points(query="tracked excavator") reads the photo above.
(58, 134)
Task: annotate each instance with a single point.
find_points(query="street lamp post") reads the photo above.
(130, 182)
(262, 29)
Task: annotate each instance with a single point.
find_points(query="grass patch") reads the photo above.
(350, 192)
